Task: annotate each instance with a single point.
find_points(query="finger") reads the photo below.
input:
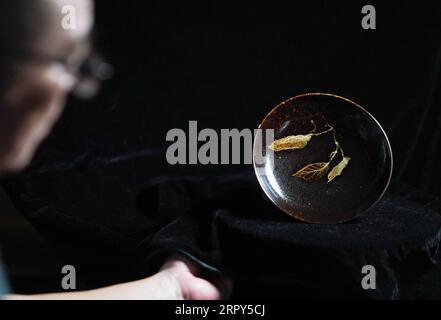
(181, 263)
(224, 285)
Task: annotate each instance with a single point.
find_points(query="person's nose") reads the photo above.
(58, 74)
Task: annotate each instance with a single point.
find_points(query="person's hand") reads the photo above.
(192, 287)
(177, 280)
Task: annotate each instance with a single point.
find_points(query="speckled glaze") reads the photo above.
(361, 184)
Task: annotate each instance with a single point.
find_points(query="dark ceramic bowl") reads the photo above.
(328, 162)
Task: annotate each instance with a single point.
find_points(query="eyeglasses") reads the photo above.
(89, 70)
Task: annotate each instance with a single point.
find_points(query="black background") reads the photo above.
(227, 64)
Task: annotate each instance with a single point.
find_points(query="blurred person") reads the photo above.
(40, 64)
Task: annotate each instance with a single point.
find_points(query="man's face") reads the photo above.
(33, 99)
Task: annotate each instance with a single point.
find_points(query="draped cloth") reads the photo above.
(101, 190)
(225, 224)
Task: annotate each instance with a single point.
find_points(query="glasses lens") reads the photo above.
(91, 72)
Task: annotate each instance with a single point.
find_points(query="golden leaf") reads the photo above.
(291, 142)
(337, 170)
(313, 171)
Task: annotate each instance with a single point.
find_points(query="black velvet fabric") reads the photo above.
(238, 231)
(101, 189)
(225, 224)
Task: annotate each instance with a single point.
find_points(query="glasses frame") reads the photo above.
(88, 74)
